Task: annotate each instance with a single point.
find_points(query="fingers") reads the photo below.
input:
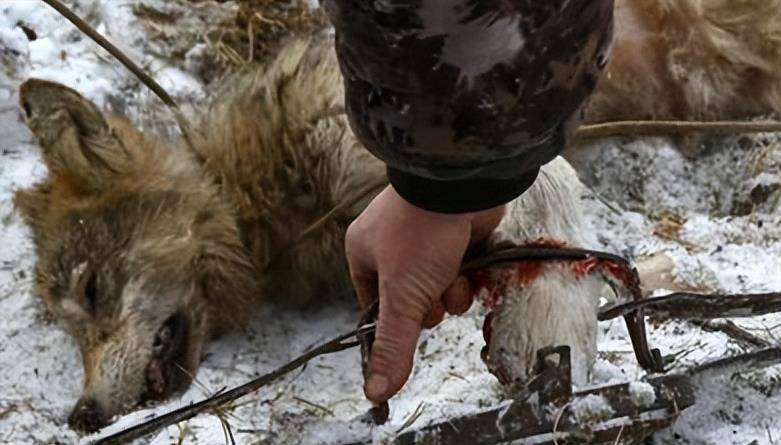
(458, 297)
(456, 300)
(397, 335)
(485, 222)
(363, 274)
(365, 284)
(394, 346)
(408, 257)
(434, 316)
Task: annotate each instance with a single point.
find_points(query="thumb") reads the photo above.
(390, 362)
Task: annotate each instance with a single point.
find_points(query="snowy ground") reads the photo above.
(661, 202)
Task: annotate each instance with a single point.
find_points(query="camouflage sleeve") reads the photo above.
(465, 99)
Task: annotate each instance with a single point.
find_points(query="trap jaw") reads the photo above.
(553, 413)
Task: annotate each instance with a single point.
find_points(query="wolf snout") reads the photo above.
(87, 416)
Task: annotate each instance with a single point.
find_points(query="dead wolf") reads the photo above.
(146, 250)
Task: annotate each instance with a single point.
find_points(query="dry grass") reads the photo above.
(268, 21)
(231, 34)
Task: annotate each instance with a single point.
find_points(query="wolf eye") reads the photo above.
(91, 292)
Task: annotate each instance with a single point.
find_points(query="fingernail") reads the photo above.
(376, 386)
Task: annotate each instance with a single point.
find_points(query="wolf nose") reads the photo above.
(86, 416)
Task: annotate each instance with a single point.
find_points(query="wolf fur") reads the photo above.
(139, 245)
(691, 60)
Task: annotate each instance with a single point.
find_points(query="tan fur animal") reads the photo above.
(144, 254)
(692, 60)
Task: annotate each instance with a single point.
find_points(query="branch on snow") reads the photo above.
(684, 305)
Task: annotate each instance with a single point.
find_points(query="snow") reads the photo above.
(41, 370)
(642, 394)
(592, 408)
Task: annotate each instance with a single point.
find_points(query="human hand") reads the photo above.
(409, 258)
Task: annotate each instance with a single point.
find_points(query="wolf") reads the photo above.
(691, 60)
(144, 251)
(147, 247)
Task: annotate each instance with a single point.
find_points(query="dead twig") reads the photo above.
(10, 409)
(684, 305)
(733, 331)
(226, 431)
(313, 405)
(413, 417)
(182, 433)
(744, 362)
(556, 422)
(668, 128)
(620, 432)
(335, 212)
(147, 80)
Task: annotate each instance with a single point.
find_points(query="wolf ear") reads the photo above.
(76, 140)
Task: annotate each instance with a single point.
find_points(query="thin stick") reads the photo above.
(762, 358)
(685, 305)
(373, 188)
(113, 50)
(328, 217)
(413, 417)
(650, 128)
(313, 405)
(620, 432)
(733, 331)
(147, 80)
(125, 436)
(559, 415)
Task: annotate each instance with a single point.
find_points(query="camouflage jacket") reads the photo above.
(465, 99)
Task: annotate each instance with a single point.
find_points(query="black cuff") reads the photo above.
(458, 196)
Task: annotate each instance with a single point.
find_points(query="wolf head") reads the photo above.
(139, 256)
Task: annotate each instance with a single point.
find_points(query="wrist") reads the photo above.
(458, 196)
(481, 222)
(488, 218)
(485, 222)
